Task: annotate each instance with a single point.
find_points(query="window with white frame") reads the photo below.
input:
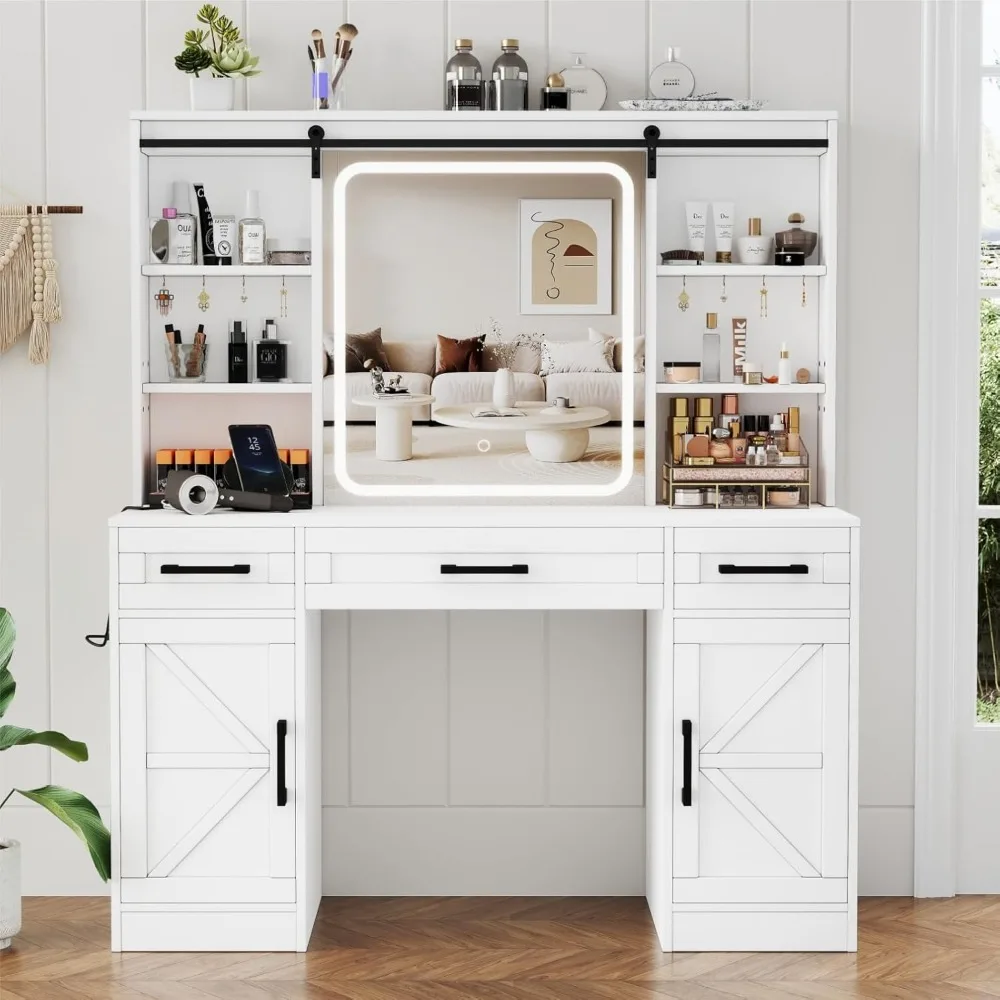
(988, 667)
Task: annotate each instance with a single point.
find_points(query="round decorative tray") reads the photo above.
(691, 104)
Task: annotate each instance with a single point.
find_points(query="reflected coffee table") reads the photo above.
(394, 423)
(551, 433)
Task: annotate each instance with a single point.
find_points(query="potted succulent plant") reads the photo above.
(74, 809)
(213, 59)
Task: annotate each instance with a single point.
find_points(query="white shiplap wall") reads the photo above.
(64, 437)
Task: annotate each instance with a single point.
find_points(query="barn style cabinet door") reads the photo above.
(762, 762)
(207, 761)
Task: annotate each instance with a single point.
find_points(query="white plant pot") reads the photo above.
(212, 93)
(10, 891)
(503, 387)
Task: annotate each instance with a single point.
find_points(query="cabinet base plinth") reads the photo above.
(208, 931)
(761, 931)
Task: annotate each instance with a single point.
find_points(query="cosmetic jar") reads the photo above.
(752, 374)
(689, 496)
(676, 372)
(789, 257)
(782, 496)
(289, 252)
(555, 93)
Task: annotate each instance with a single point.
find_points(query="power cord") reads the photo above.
(98, 639)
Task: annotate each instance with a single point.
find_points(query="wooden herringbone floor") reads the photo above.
(506, 949)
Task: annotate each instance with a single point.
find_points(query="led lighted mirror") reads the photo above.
(445, 259)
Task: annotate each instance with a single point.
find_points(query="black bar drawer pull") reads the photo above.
(686, 787)
(282, 789)
(237, 569)
(792, 569)
(514, 569)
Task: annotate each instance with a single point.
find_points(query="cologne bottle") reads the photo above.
(508, 90)
(784, 367)
(671, 79)
(253, 244)
(239, 351)
(270, 355)
(711, 350)
(182, 233)
(463, 79)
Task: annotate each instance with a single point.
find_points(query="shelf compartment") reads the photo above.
(214, 388)
(739, 271)
(221, 271)
(739, 389)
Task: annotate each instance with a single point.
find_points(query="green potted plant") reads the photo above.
(213, 57)
(74, 809)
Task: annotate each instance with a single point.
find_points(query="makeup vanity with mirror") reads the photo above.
(750, 615)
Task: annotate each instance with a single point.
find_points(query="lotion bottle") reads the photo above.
(784, 367)
(253, 244)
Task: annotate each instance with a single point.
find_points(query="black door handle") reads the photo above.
(795, 569)
(282, 788)
(514, 569)
(237, 569)
(686, 787)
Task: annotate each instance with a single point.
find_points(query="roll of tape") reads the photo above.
(190, 492)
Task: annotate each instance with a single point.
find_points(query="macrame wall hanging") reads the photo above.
(29, 291)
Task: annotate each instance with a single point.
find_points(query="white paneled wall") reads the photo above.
(553, 747)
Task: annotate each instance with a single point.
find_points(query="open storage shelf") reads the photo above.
(739, 271)
(211, 388)
(226, 271)
(737, 388)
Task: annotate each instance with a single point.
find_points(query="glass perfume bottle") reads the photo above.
(253, 244)
(754, 248)
(270, 355)
(711, 350)
(182, 231)
(508, 90)
(671, 80)
(588, 90)
(463, 79)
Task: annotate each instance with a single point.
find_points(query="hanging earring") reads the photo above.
(164, 299)
(803, 291)
(763, 297)
(284, 298)
(243, 294)
(203, 296)
(683, 300)
(723, 297)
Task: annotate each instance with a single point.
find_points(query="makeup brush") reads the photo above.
(339, 66)
(317, 37)
(312, 57)
(346, 34)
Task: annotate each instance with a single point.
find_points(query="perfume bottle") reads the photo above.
(182, 231)
(784, 367)
(671, 80)
(754, 248)
(588, 90)
(711, 350)
(253, 244)
(463, 79)
(508, 90)
(239, 351)
(270, 355)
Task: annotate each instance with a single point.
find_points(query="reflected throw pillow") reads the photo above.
(459, 355)
(361, 347)
(577, 356)
(639, 356)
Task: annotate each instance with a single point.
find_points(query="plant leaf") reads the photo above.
(14, 736)
(7, 635)
(80, 815)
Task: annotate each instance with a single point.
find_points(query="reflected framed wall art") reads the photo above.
(566, 250)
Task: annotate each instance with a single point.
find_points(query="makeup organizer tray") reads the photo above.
(719, 486)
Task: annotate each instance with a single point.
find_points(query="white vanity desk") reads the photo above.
(751, 703)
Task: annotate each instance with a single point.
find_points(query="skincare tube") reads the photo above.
(696, 212)
(722, 216)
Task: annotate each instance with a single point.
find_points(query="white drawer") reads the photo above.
(199, 579)
(484, 567)
(484, 539)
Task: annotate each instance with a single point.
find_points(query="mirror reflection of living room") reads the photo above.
(484, 331)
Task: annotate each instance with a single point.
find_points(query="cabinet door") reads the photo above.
(761, 783)
(207, 762)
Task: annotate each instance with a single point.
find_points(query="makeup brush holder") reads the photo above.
(186, 362)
